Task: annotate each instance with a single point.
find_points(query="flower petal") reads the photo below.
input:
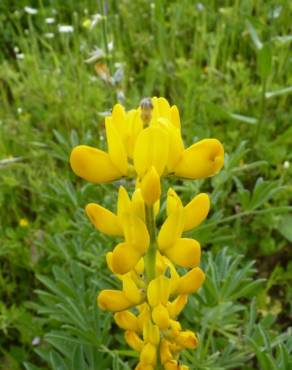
(136, 233)
(148, 355)
(118, 119)
(126, 320)
(175, 307)
(138, 205)
(173, 201)
(177, 147)
(124, 258)
(103, 219)
(171, 229)
(130, 290)
(160, 316)
(150, 187)
(187, 339)
(113, 300)
(93, 165)
(158, 291)
(151, 149)
(165, 353)
(174, 116)
(116, 148)
(184, 252)
(134, 341)
(191, 281)
(196, 211)
(124, 203)
(202, 159)
(151, 332)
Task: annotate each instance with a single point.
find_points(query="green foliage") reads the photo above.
(227, 67)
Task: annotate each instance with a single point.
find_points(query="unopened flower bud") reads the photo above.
(150, 187)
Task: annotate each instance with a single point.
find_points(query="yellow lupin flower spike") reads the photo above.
(146, 143)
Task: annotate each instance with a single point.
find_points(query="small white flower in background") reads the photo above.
(49, 35)
(110, 45)
(36, 341)
(65, 28)
(16, 49)
(95, 55)
(286, 165)
(19, 110)
(20, 56)
(96, 18)
(275, 12)
(30, 10)
(50, 20)
(200, 7)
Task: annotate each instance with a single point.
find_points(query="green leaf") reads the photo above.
(57, 361)
(78, 361)
(285, 227)
(29, 366)
(266, 362)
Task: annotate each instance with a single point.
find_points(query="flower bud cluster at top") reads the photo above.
(146, 143)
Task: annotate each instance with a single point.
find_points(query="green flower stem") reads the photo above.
(150, 257)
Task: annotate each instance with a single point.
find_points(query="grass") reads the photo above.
(227, 67)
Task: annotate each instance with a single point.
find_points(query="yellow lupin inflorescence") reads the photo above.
(146, 143)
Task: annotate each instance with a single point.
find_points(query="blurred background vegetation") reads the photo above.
(63, 64)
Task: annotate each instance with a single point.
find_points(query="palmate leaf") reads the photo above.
(219, 314)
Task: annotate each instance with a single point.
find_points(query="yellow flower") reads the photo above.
(93, 165)
(126, 320)
(150, 187)
(120, 300)
(194, 213)
(187, 339)
(184, 252)
(159, 144)
(146, 144)
(148, 355)
(23, 222)
(103, 219)
(151, 150)
(175, 307)
(151, 333)
(165, 353)
(158, 291)
(202, 159)
(160, 316)
(190, 282)
(134, 341)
